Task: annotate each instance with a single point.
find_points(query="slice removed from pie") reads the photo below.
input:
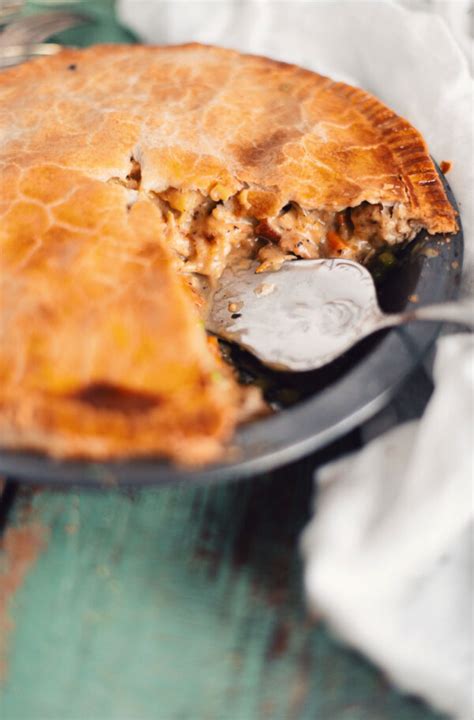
(129, 175)
(102, 347)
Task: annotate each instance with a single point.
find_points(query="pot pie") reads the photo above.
(129, 177)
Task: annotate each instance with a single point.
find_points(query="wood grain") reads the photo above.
(176, 604)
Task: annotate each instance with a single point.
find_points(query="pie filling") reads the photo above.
(203, 233)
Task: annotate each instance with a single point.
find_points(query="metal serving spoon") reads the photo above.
(309, 312)
(23, 38)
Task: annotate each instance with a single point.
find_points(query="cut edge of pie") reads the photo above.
(259, 224)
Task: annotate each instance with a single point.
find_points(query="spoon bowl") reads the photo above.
(309, 312)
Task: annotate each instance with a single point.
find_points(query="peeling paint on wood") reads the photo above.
(278, 641)
(178, 604)
(19, 549)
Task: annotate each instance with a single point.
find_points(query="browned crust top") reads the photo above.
(213, 119)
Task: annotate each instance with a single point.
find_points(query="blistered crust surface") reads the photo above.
(102, 352)
(215, 120)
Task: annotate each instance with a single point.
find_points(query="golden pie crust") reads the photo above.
(122, 169)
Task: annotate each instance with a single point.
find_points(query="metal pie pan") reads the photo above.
(338, 398)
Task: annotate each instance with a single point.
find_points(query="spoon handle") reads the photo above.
(460, 312)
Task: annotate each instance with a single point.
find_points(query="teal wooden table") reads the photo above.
(180, 603)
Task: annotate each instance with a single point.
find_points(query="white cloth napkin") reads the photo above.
(389, 551)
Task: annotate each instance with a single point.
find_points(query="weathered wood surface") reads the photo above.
(173, 604)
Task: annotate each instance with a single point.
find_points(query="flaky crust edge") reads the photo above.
(428, 200)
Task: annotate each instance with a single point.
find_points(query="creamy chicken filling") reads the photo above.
(203, 232)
